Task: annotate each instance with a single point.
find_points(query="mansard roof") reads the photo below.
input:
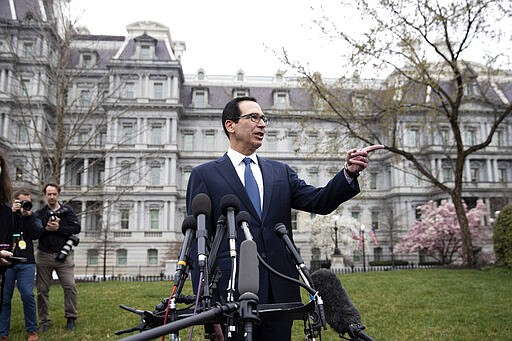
(24, 10)
(219, 95)
(162, 52)
(104, 46)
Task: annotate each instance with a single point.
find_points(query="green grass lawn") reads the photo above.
(438, 304)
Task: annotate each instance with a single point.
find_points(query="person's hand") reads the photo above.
(16, 205)
(3, 255)
(357, 160)
(53, 225)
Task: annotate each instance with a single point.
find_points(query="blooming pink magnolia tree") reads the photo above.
(437, 233)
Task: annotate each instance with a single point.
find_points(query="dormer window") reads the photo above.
(240, 76)
(87, 60)
(279, 77)
(200, 98)
(145, 52)
(470, 86)
(240, 93)
(281, 99)
(200, 75)
(145, 47)
(360, 102)
(29, 17)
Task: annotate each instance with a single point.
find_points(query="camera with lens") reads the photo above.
(25, 204)
(53, 215)
(66, 249)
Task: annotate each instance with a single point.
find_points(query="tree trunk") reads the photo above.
(467, 244)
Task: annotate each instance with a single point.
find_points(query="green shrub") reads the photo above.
(502, 237)
(388, 262)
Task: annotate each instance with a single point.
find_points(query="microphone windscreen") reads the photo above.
(242, 216)
(340, 312)
(229, 200)
(201, 204)
(188, 223)
(280, 229)
(248, 272)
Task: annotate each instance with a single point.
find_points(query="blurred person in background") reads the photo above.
(60, 224)
(21, 273)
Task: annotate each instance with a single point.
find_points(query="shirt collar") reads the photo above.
(236, 157)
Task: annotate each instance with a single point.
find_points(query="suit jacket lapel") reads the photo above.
(226, 170)
(268, 180)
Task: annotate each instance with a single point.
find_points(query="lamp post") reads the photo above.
(336, 249)
(361, 229)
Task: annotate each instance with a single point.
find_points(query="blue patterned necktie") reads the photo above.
(251, 186)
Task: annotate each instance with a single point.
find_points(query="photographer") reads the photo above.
(21, 273)
(60, 223)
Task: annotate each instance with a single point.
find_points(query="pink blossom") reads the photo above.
(437, 233)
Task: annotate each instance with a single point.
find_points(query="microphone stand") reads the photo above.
(231, 232)
(201, 318)
(219, 233)
(249, 313)
(282, 232)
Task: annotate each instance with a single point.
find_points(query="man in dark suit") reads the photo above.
(280, 190)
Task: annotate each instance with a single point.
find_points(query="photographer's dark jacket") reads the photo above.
(53, 241)
(26, 229)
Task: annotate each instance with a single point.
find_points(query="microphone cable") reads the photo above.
(283, 276)
(168, 305)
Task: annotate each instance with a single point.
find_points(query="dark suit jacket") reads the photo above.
(283, 190)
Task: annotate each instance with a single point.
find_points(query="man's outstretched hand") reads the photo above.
(357, 160)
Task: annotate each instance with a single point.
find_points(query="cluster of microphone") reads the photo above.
(340, 313)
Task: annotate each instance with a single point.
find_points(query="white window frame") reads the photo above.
(122, 257)
(124, 219)
(158, 90)
(281, 99)
(129, 89)
(152, 257)
(199, 94)
(154, 219)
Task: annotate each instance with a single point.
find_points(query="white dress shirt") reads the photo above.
(237, 159)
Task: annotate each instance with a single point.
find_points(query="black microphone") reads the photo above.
(188, 228)
(242, 220)
(282, 232)
(248, 273)
(201, 209)
(229, 206)
(341, 314)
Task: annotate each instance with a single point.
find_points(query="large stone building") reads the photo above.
(133, 126)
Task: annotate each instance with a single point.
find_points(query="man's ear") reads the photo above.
(230, 126)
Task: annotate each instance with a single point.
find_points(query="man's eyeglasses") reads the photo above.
(256, 118)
